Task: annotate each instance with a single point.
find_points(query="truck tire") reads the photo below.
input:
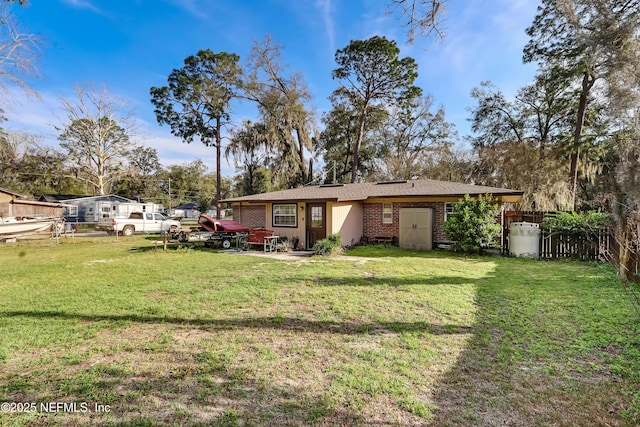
(128, 230)
(226, 244)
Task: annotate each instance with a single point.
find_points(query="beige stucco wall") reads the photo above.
(343, 218)
(346, 219)
(290, 232)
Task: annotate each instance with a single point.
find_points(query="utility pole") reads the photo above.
(334, 171)
(169, 193)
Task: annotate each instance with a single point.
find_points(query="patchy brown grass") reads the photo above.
(409, 339)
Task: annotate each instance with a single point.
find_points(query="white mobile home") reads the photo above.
(105, 209)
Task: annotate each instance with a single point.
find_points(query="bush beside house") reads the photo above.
(473, 226)
(332, 245)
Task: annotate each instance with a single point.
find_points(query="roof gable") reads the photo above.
(12, 193)
(77, 199)
(60, 197)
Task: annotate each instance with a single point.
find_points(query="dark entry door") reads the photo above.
(316, 223)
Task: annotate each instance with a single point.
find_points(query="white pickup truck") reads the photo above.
(139, 222)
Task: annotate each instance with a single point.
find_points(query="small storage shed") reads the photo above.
(14, 204)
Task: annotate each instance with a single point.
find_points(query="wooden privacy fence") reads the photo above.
(594, 246)
(600, 245)
(534, 217)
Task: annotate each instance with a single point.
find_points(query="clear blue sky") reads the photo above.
(132, 45)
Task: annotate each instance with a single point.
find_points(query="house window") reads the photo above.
(448, 210)
(285, 215)
(316, 217)
(387, 213)
(70, 211)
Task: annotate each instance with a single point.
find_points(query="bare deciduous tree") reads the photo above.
(422, 16)
(412, 139)
(18, 51)
(96, 136)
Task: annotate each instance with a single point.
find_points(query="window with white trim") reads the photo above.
(285, 215)
(387, 213)
(448, 210)
(71, 211)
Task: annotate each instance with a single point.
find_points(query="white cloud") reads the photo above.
(326, 9)
(484, 42)
(191, 6)
(34, 115)
(84, 4)
(512, 22)
(39, 116)
(173, 151)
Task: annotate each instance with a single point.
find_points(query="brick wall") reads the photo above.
(373, 225)
(253, 216)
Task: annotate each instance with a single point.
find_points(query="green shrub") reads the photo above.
(574, 223)
(332, 245)
(473, 226)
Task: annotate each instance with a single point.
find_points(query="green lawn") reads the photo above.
(135, 336)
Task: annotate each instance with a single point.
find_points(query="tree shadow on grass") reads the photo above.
(158, 387)
(152, 382)
(377, 281)
(523, 365)
(175, 246)
(396, 252)
(273, 323)
(508, 373)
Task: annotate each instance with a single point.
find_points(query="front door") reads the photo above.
(316, 224)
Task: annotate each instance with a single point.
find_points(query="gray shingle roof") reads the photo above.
(364, 191)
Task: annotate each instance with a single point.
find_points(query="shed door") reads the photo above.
(416, 228)
(316, 223)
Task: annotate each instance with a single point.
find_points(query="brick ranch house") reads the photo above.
(408, 213)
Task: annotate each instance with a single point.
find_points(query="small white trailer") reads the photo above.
(107, 209)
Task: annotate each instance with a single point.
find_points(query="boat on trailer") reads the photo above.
(14, 226)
